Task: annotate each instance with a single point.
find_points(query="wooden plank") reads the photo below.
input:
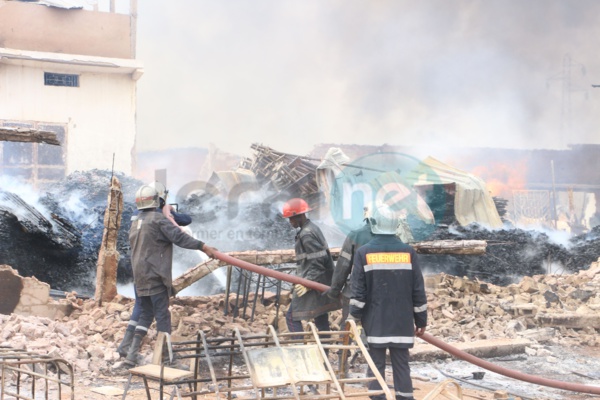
(153, 371)
(288, 256)
(9, 134)
(569, 320)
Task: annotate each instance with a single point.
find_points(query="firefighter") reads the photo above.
(152, 236)
(388, 299)
(314, 263)
(340, 283)
(182, 220)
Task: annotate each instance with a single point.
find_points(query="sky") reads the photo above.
(432, 73)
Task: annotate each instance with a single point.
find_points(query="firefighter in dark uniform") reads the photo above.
(182, 220)
(314, 263)
(340, 282)
(152, 236)
(388, 299)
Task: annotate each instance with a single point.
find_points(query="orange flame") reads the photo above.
(502, 179)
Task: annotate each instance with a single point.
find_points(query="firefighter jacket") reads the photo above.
(388, 292)
(151, 237)
(341, 274)
(315, 264)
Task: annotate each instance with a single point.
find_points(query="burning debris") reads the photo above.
(59, 242)
(42, 245)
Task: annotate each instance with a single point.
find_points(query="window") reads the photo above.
(52, 79)
(36, 163)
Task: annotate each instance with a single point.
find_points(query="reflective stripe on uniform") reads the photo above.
(346, 255)
(420, 308)
(141, 328)
(310, 256)
(404, 394)
(356, 303)
(390, 339)
(388, 267)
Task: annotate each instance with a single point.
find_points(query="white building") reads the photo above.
(70, 68)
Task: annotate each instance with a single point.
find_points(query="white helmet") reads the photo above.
(160, 189)
(147, 197)
(384, 220)
(367, 211)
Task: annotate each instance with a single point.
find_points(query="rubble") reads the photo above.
(539, 309)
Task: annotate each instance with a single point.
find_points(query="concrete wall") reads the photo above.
(99, 114)
(35, 27)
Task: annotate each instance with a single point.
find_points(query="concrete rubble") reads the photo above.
(554, 309)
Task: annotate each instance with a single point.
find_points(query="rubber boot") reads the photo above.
(126, 342)
(134, 350)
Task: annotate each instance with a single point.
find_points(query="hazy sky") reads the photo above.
(292, 74)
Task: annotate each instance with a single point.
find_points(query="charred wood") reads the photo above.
(9, 134)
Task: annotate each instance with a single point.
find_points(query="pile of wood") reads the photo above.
(288, 174)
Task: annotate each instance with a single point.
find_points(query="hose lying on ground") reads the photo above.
(574, 387)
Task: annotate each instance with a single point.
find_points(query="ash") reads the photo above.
(59, 242)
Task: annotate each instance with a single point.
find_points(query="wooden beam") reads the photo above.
(8, 134)
(274, 257)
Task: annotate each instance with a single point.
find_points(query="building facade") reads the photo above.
(70, 70)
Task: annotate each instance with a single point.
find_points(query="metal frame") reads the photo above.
(221, 366)
(24, 365)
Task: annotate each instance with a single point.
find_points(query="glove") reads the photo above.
(361, 334)
(300, 290)
(333, 294)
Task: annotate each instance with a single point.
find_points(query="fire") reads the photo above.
(502, 179)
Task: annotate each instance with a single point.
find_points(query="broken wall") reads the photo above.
(28, 296)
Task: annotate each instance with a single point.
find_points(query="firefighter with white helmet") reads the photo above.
(340, 283)
(148, 197)
(314, 263)
(151, 236)
(388, 299)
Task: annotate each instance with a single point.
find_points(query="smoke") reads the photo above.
(471, 74)
(26, 192)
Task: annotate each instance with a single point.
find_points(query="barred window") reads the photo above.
(37, 163)
(52, 79)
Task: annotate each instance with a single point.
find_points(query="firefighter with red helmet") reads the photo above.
(314, 263)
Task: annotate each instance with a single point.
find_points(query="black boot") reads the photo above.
(126, 343)
(134, 350)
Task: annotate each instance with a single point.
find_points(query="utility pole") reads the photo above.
(567, 88)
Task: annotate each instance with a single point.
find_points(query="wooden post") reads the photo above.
(108, 257)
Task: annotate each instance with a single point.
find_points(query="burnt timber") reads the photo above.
(8, 134)
(287, 174)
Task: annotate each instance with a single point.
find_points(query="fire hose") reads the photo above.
(574, 387)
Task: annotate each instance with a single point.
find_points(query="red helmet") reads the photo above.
(295, 207)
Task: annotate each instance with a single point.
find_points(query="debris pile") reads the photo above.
(65, 256)
(81, 199)
(562, 310)
(30, 239)
(510, 254)
(289, 174)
